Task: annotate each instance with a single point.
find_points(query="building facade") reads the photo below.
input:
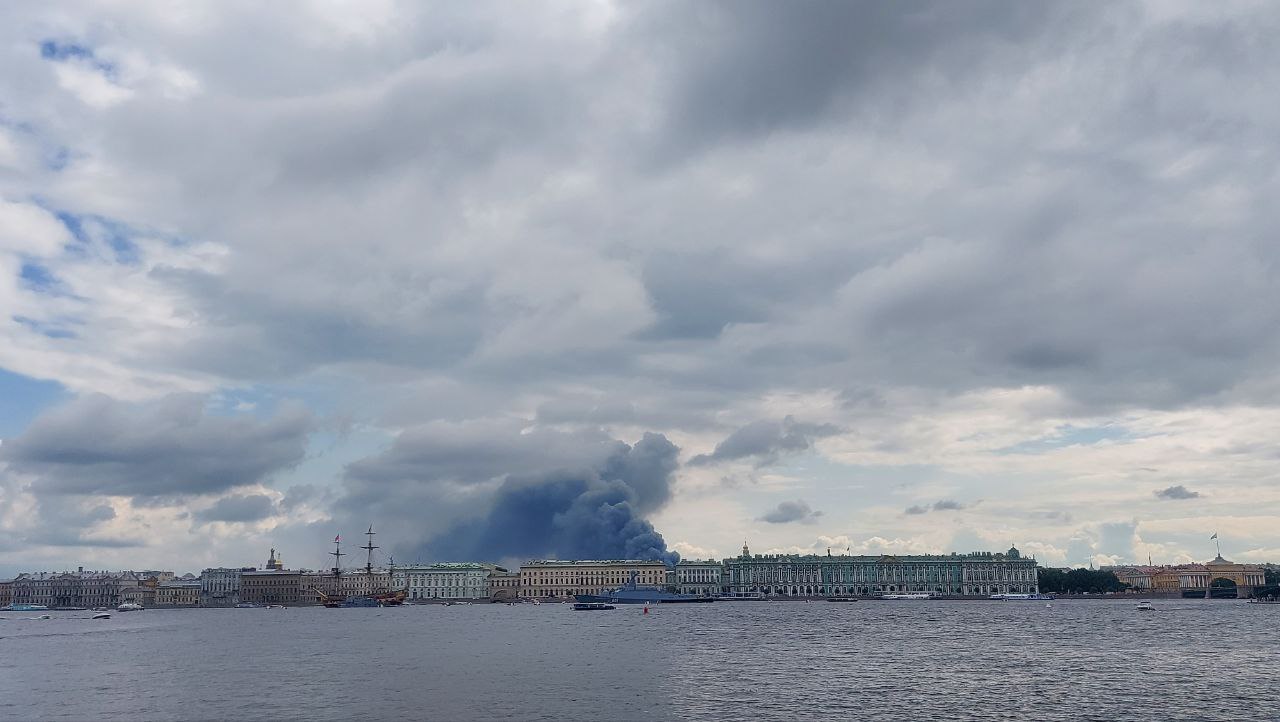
(184, 593)
(699, 578)
(445, 580)
(790, 575)
(220, 586)
(6, 592)
(73, 589)
(504, 586)
(562, 579)
(271, 586)
(1216, 577)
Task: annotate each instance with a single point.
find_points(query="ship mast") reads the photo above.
(337, 555)
(369, 547)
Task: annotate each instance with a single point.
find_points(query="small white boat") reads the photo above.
(129, 607)
(912, 595)
(1145, 607)
(101, 615)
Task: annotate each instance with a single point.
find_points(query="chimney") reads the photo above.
(82, 570)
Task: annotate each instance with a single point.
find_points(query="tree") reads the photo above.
(1079, 581)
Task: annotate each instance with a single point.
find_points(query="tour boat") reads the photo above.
(911, 595)
(129, 607)
(1145, 607)
(842, 599)
(632, 593)
(25, 608)
(1023, 597)
(741, 597)
(592, 606)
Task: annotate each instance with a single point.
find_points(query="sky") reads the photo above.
(561, 279)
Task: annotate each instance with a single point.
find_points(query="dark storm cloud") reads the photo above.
(765, 441)
(791, 511)
(750, 68)
(1177, 492)
(592, 513)
(479, 451)
(247, 507)
(167, 449)
(498, 490)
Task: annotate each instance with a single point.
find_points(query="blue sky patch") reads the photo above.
(51, 330)
(37, 276)
(1068, 435)
(115, 234)
(22, 398)
(61, 52)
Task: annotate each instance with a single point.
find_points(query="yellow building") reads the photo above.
(556, 578)
(178, 594)
(1195, 580)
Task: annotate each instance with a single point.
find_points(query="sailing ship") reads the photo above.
(376, 597)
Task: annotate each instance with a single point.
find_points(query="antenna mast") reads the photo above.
(369, 547)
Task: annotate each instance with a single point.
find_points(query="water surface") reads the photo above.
(1103, 660)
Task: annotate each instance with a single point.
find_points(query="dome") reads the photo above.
(1013, 553)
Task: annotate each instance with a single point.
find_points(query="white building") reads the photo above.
(445, 580)
(220, 587)
(699, 578)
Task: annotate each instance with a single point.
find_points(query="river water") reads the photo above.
(928, 660)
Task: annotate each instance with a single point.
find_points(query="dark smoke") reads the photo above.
(584, 514)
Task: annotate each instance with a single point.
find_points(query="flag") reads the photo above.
(1215, 535)
(338, 538)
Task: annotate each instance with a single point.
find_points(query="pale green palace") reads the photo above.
(814, 575)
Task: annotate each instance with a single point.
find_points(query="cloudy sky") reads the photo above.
(562, 278)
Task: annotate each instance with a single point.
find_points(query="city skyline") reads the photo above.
(527, 281)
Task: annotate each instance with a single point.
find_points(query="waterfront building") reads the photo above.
(178, 593)
(1194, 580)
(813, 575)
(446, 580)
(72, 589)
(220, 586)
(143, 594)
(361, 583)
(6, 592)
(503, 585)
(559, 578)
(699, 578)
(271, 586)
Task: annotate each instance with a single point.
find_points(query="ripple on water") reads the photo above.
(759, 661)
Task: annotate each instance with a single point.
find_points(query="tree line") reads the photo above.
(1079, 581)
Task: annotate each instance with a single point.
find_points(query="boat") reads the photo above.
(741, 597)
(129, 607)
(591, 606)
(25, 608)
(1145, 607)
(1024, 597)
(632, 593)
(1264, 601)
(248, 605)
(101, 615)
(842, 599)
(908, 596)
(386, 598)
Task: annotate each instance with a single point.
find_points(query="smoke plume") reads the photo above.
(588, 513)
